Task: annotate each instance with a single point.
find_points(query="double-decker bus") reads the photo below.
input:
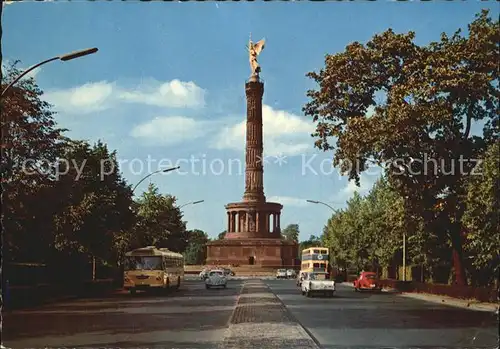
(149, 268)
(315, 259)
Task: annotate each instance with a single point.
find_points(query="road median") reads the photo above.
(260, 320)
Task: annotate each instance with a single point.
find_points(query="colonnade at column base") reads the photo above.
(253, 220)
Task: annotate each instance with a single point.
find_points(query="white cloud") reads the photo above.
(366, 182)
(103, 95)
(84, 99)
(284, 133)
(175, 93)
(170, 130)
(288, 201)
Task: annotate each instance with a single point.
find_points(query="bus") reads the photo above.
(315, 259)
(151, 268)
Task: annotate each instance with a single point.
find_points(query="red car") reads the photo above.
(367, 280)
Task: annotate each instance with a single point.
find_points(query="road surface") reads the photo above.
(191, 317)
(194, 317)
(384, 320)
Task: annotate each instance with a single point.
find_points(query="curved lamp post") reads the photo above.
(64, 58)
(322, 203)
(155, 172)
(192, 203)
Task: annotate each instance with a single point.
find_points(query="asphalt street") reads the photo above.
(385, 320)
(191, 317)
(194, 317)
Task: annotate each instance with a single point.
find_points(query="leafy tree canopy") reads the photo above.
(291, 232)
(410, 109)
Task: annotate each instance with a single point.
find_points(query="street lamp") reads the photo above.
(155, 172)
(192, 203)
(64, 58)
(322, 203)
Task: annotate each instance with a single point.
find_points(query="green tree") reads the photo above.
(428, 97)
(481, 217)
(221, 235)
(313, 241)
(159, 222)
(195, 251)
(291, 232)
(31, 142)
(95, 201)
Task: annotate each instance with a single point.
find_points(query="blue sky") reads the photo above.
(167, 88)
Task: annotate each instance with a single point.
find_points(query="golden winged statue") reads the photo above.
(254, 49)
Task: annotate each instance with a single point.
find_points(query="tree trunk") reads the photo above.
(458, 263)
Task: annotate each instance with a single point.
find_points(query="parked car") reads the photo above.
(228, 272)
(203, 274)
(281, 274)
(216, 278)
(290, 273)
(315, 283)
(367, 280)
(300, 278)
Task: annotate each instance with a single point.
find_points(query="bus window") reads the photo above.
(316, 251)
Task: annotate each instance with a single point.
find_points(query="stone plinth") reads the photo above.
(273, 253)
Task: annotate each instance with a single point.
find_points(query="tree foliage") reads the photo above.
(424, 101)
(369, 231)
(65, 200)
(291, 232)
(195, 251)
(97, 201)
(31, 142)
(159, 222)
(313, 241)
(481, 216)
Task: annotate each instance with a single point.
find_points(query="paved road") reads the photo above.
(364, 320)
(192, 317)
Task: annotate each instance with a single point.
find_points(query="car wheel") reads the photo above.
(332, 293)
(303, 292)
(207, 287)
(224, 286)
(308, 293)
(133, 291)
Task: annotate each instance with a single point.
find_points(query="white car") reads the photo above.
(281, 274)
(216, 278)
(314, 283)
(290, 273)
(203, 274)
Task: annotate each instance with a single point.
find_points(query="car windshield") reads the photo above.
(216, 273)
(370, 276)
(143, 263)
(317, 276)
(281, 271)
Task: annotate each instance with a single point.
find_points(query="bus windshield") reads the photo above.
(143, 263)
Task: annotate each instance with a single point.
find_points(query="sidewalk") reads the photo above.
(441, 299)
